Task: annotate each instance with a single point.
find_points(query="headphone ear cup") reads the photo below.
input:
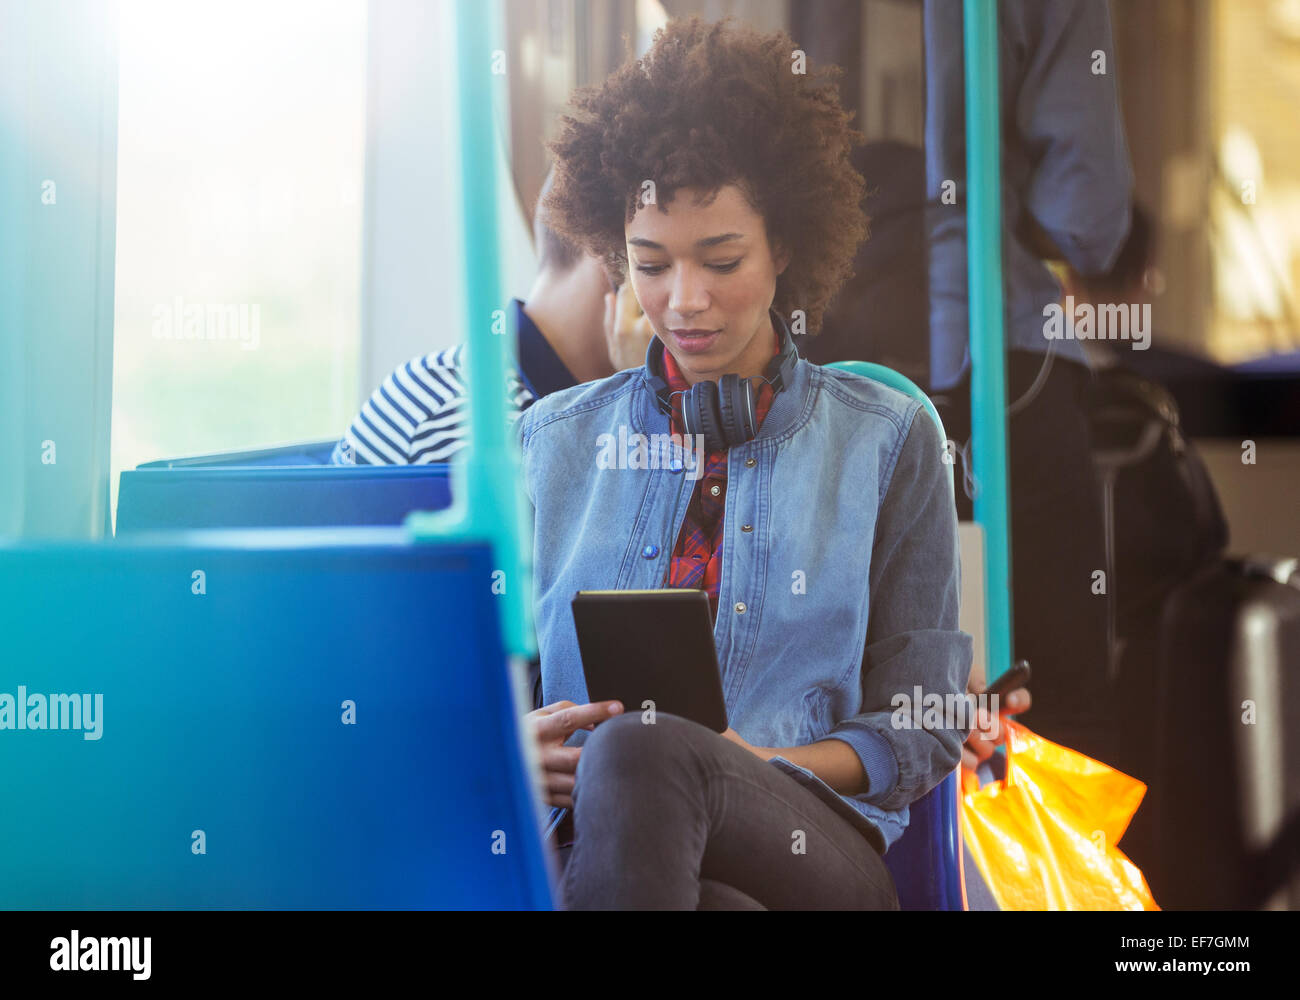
(700, 411)
(736, 406)
(726, 407)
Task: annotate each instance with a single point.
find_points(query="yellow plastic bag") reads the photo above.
(1044, 837)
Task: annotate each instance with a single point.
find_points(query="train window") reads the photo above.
(1255, 218)
(1211, 132)
(239, 209)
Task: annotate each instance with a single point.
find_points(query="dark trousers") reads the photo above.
(672, 816)
(1057, 544)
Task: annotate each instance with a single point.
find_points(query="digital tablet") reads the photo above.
(651, 646)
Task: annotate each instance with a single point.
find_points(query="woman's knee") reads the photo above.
(630, 744)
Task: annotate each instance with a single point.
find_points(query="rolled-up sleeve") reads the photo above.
(913, 639)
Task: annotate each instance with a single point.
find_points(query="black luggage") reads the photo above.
(1225, 788)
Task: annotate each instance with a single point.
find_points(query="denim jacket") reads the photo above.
(840, 579)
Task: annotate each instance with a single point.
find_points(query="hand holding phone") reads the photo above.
(1016, 677)
(987, 734)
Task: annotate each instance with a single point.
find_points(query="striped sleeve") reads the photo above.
(418, 415)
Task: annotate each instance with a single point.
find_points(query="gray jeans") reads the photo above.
(672, 816)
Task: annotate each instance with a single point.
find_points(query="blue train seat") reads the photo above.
(184, 496)
(218, 670)
(926, 862)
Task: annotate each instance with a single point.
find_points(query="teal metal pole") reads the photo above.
(988, 358)
(488, 501)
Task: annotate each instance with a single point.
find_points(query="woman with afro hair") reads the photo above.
(815, 509)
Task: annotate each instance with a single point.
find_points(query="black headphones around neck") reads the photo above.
(723, 411)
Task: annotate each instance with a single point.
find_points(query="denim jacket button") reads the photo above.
(740, 607)
(650, 551)
(746, 527)
(749, 462)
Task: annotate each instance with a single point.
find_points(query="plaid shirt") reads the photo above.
(697, 559)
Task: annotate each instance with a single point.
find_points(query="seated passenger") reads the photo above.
(822, 527)
(570, 330)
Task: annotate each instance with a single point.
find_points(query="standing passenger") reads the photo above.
(1066, 194)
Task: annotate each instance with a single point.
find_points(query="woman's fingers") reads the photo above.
(631, 307)
(1017, 701)
(610, 312)
(990, 727)
(975, 752)
(552, 725)
(627, 331)
(550, 709)
(560, 760)
(988, 731)
(986, 735)
(560, 724)
(560, 781)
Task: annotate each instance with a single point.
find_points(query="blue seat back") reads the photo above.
(895, 380)
(226, 662)
(153, 499)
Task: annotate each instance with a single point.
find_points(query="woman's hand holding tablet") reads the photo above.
(551, 726)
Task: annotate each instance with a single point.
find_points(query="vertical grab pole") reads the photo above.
(488, 500)
(988, 359)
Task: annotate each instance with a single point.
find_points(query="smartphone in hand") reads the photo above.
(1016, 677)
